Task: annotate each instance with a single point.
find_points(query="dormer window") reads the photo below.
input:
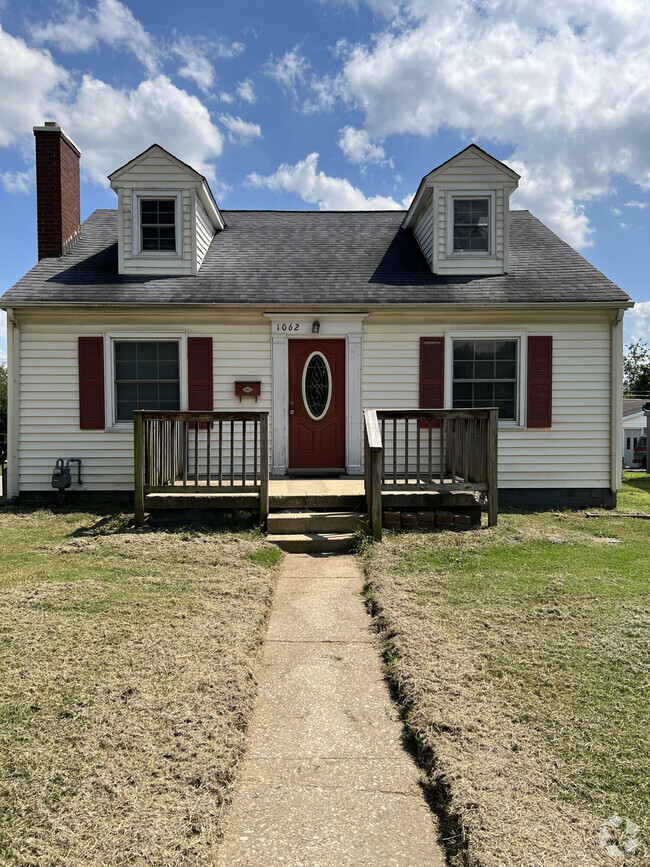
(157, 223)
(471, 224)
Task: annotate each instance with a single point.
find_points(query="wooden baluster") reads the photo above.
(417, 451)
(255, 424)
(221, 453)
(452, 448)
(232, 453)
(394, 451)
(383, 451)
(243, 452)
(264, 468)
(208, 467)
(430, 438)
(186, 450)
(406, 451)
(196, 453)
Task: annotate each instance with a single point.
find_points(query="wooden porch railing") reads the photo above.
(200, 452)
(430, 450)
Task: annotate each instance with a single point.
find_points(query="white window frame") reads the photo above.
(113, 337)
(452, 196)
(522, 352)
(138, 196)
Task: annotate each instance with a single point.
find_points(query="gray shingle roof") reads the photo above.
(315, 258)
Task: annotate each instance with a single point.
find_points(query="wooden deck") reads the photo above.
(425, 459)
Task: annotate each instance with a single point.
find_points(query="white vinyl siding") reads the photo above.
(469, 175)
(49, 388)
(528, 458)
(423, 231)
(204, 234)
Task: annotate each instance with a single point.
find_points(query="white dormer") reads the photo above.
(167, 215)
(460, 214)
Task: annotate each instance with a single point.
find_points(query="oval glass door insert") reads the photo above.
(316, 385)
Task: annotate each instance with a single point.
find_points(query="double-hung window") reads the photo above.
(146, 376)
(470, 224)
(157, 217)
(158, 225)
(485, 374)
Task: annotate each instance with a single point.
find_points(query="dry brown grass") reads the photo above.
(494, 649)
(127, 676)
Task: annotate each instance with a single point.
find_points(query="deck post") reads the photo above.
(138, 468)
(264, 467)
(492, 467)
(373, 471)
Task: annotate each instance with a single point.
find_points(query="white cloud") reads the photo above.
(640, 205)
(228, 98)
(111, 126)
(196, 66)
(110, 21)
(246, 91)
(636, 325)
(288, 70)
(239, 130)
(616, 211)
(565, 85)
(314, 187)
(358, 147)
(226, 50)
(17, 182)
(31, 87)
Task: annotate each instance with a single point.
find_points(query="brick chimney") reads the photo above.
(57, 190)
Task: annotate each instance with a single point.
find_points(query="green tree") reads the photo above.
(3, 408)
(636, 370)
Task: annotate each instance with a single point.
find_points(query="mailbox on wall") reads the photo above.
(248, 388)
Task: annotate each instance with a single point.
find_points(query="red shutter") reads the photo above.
(91, 383)
(540, 382)
(200, 388)
(432, 373)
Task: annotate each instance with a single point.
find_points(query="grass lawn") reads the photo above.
(127, 675)
(521, 658)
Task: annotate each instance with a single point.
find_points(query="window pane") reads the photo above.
(505, 369)
(463, 391)
(506, 348)
(484, 370)
(463, 350)
(485, 374)
(484, 393)
(138, 377)
(125, 351)
(463, 370)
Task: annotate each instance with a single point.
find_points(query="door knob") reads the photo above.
(291, 411)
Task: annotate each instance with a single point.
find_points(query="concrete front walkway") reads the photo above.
(326, 781)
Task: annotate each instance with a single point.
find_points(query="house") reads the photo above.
(634, 426)
(167, 302)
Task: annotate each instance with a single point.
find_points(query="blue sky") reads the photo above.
(342, 104)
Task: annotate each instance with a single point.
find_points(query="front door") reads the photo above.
(317, 404)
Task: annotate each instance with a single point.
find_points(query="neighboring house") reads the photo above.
(166, 301)
(634, 426)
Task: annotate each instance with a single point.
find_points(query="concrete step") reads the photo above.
(287, 522)
(313, 543)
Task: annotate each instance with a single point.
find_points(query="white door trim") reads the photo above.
(297, 326)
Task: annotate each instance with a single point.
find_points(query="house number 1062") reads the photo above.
(287, 326)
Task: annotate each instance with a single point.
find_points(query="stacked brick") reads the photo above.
(57, 191)
(466, 518)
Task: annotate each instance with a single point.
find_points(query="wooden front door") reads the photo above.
(317, 404)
